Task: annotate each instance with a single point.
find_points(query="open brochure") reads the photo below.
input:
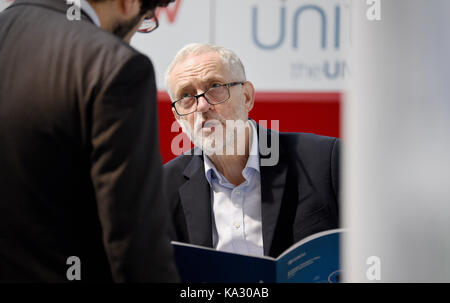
(314, 259)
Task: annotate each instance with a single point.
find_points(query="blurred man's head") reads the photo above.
(124, 17)
(207, 86)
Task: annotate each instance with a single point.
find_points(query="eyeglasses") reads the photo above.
(216, 94)
(149, 24)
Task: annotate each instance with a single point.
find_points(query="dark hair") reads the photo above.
(147, 5)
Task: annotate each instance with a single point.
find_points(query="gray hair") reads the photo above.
(229, 58)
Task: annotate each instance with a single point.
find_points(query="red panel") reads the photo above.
(297, 112)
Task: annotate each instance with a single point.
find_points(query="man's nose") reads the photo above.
(203, 105)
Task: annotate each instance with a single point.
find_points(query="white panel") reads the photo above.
(397, 136)
(262, 33)
(285, 45)
(288, 45)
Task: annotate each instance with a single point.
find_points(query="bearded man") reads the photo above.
(224, 194)
(80, 167)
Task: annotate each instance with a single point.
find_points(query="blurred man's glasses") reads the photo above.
(149, 24)
(216, 94)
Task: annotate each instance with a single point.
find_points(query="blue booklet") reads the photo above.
(314, 259)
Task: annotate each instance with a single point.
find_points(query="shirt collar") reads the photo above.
(252, 162)
(90, 11)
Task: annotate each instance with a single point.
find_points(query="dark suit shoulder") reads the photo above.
(307, 144)
(179, 163)
(109, 51)
(77, 47)
(308, 137)
(101, 54)
(177, 171)
(318, 156)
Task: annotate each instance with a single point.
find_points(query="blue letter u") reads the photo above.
(324, 23)
(255, 29)
(337, 70)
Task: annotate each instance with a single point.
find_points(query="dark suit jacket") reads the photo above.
(299, 195)
(80, 167)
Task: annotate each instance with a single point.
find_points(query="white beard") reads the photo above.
(219, 142)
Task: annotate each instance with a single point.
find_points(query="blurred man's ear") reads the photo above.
(249, 94)
(175, 114)
(128, 8)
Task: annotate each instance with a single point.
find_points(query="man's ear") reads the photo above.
(129, 8)
(249, 95)
(175, 114)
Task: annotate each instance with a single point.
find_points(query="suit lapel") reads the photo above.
(273, 180)
(272, 190)
(274, 185)
(195, 198)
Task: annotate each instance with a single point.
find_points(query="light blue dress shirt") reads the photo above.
(236, 210)
(90, 11)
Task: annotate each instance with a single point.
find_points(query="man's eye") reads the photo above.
(216, 85)
(185, 95)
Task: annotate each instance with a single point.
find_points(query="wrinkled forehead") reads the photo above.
(199, 69)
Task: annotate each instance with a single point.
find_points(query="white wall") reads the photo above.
(397, 135)
(289, 46)
(263, 33)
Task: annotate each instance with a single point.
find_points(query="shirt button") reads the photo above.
(237, 225)
(238, 192)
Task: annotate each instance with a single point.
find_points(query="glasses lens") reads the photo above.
(186, 105)
(217, 94)
(148, 25)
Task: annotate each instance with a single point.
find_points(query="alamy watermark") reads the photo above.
(227, 138)
(74, 11)
(373, 13)
(373, 272)
(74, 270)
